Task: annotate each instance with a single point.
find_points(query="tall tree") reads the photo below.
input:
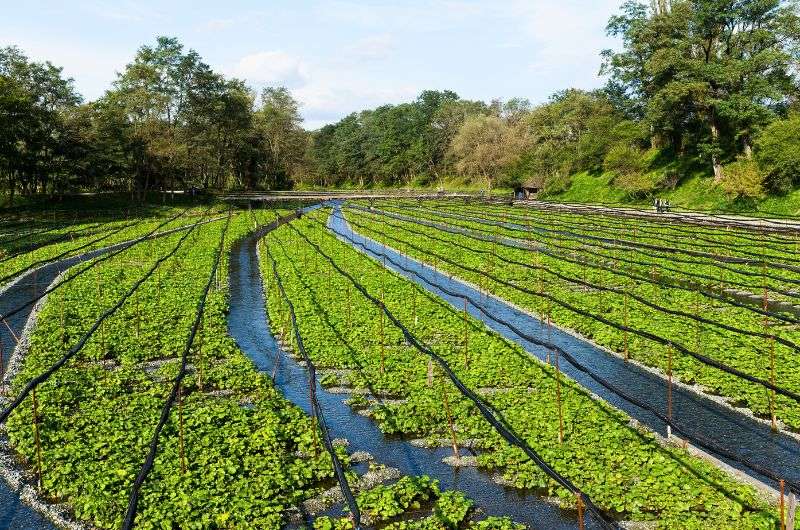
(279, 127)
(710, 72)
(35, 99)
(485, 145)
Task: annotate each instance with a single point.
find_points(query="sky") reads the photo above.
(336, 57)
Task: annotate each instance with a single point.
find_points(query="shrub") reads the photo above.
(777, 152)
(557, 182)
(625, 159)
(743, 180)
(629, 165)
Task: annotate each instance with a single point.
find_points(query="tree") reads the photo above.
(709, 73)
(484, 145)
(572, 132)
(279, 126)
(34, 98)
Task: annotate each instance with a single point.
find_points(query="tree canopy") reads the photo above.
(695, 85)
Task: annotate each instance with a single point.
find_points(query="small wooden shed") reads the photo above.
(528, 189)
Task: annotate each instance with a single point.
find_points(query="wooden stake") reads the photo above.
(452, 428)
(466, 335)
(783, 514)
(579, 504)
(558, 402)
(414, 307)
(180, 429)
(37, 438)
(669, 387)
(430, 372)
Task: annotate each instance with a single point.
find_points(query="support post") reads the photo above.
(783, 511)
(466, 335)
(37, 439)
(414, 307)
(669, 389)
(450, 424)
(180, 430)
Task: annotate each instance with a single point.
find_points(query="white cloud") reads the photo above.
(374, 47)
(94, 69)
(272, 68)
(326, 91)
(329, 100)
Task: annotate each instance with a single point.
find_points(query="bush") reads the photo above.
(743, 180)
(630, 167)
(777, 152)
(625, 159)
(557, 182)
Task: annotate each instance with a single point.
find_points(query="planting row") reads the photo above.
(617, 312)
(19, 260)
(722, 271)
(234, 452)
(625, 471)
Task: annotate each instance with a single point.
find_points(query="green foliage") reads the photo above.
(244, 465)
(778, 154)
(647, 482)
(706, 75)
(397, 507)
(733, 349)
(743, 180)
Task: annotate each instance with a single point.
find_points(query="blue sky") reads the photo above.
(335, 56)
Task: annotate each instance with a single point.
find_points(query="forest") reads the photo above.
(696, 87)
